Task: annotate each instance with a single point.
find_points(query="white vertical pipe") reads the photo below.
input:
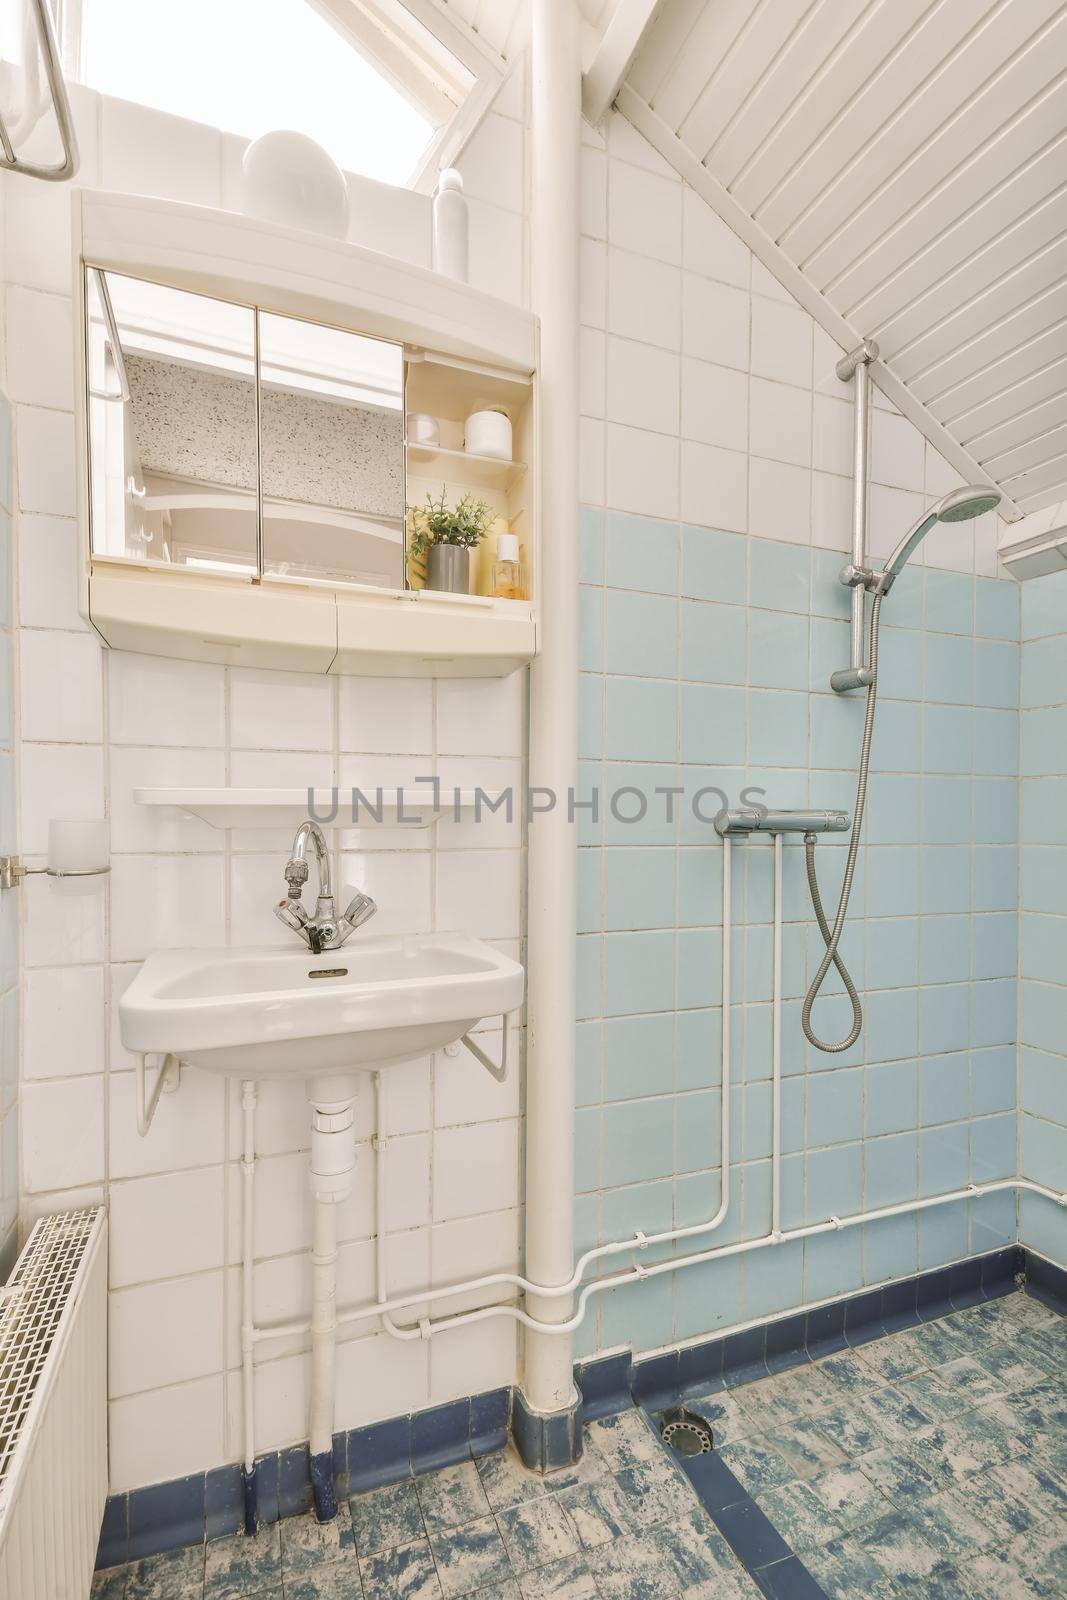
(727, 1018)
(248, 1225)
(776, 1047)
(552, 896)
(859, 506)
(323, 1323)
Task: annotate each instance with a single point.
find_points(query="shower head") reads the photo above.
(959, 505)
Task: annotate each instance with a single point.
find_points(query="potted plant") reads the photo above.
(444, 537)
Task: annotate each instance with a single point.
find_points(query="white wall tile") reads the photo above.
(898, 451)
(58, 780)
(781, 342)
(378, 1377)
(165, 1227)
(61, 689)
(831, 511)
(164, 1333)
(891, 514)
(497, 251)
(642, 386)
(832, 435)
(591, 463)
(625, 143)
(475, 1170)
(480, 716)
(63, 1021)
(493, 163)
(644, 212)
(714, 404)
(155, 701)
(478, 896)
(592, 358)
(464, 1092)
(164, 903)
(62, 1133)
(63, 923)
(715, 321)
(165, 1433)
(710, 247)
(280, 710)
(475, 1246)
(644, 299)
(466, 1360)
(40, 349)
(45, 450)
(399, 882)
(48, 573)
(141, 828)
(593, 292)
(779, 501)
(188, 1129)
(393, 715)
(642, 471)
(714, 487)
(780, 422)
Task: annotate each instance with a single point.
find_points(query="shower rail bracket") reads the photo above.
(850, 678)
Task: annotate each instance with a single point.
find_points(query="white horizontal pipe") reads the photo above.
(973, 1191)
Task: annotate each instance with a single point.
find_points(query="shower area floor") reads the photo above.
(931, 1463)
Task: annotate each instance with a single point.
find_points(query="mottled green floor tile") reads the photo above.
(757, 1465)
(633, 1569)
(452, 1497)
(407, 1572)
(848, 1495)
(937, 1400)
(569, 1579)
(898, 1356)
(892, 1414)
(507, 1482)
(306, 1542)
(109, 1584)
(590, 1466)
(538, 1533)
(940, 1342)
(470, 1558)
(172, 1575)
(655, 1495)
(854, 1434)
(1012, 1573)
(338, 1580)
(903, 1479)
(784, 1399)
(899, 1547)
(800, 1516)
(849, 1375)
(386, 1517)
(600, 1512)
(847, 1572)
(695, 1552)
(724, 1415)
(805, 1447)
(1008, 1364)
(625, 1440)
(1005, 1515)
(1034, 1485)
(241, 1566)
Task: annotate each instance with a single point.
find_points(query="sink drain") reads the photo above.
(685, 1432)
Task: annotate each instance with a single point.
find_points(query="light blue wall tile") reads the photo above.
(996, 742)
(893, 880)
(587, 1055)
(773, 1280)
(890, 1248)
(638, 972)
(714, 565)
(890, 1170)
(943, 1022)
(835, 1107)
(996, 811)
(638, 1056)
(993, 1013)
(892, 1024)
(700, 886)
(1042, 1150)
(829, 596)
(906, 608)
(777, 728)
(1043, 1085)
(892, 1098)
(698, 1049)
(946, 949)
(1043, 878)
(1043, 810)
(634, 813)
(1044, 740)
(942, 1235)
(1045, 670)
(833, 1264)
(996, 608)
(713, 642)
(948, 669)
(640, 1314)
(950, 603)
(779, 576)
(897, 737)
(589, 803)
(708, 1297)
(640, 634)
(900, 664)
(588, 956)
(996, 669)
(644, 1207)
(948, 739)
(943, 1088)
(993, 1222)
(590, 872)
(829, 649)
(638, 888)
(590, 715)
(1040, 1015)
(698, 1122)
(834, 1182)
(591, 545)
(1044, 605)
(893, 810)
(996, 877)
(641, 553)
(713, 725)
(591, 629)
(946, 810)
(638, 1141)
(992, 1080)
(893, 953)
(946, 879)
(640, 720)
(587, 1149)
(777, 650)
(995, 952)
(992, 1148)
(836, 731)
(699, 968)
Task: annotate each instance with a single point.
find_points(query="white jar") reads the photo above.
(488, 433)
(423, 429)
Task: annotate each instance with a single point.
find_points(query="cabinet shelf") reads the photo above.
(460, 466)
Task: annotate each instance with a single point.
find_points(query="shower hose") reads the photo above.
(832, 938)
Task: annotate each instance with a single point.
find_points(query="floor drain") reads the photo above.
(683, 1431)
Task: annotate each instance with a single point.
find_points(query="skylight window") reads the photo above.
(250, 66)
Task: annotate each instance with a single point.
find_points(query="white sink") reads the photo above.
(287, 1013)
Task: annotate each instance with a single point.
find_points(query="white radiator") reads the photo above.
(53, 1409)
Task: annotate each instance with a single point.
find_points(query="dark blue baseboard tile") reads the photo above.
(547, 1441)
(1047, 1281)
(604, 1384)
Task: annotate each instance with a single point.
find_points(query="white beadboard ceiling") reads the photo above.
(902, 166)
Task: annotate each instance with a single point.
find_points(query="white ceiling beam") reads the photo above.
(719, 198)
(614, 54)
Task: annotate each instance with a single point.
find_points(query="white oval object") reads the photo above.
(450, 232)
(289, 178)
(423, 429)
(488, 433)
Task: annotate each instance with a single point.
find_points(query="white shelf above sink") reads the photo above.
(285, 808)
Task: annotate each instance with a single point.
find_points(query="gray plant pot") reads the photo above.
(448, 567)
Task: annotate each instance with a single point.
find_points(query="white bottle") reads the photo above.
(450, 226)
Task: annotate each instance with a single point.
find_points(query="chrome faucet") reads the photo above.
(325, 930)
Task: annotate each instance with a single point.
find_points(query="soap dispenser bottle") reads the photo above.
(508, 577)
(449, 253)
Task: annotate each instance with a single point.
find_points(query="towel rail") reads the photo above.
(9, 159)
